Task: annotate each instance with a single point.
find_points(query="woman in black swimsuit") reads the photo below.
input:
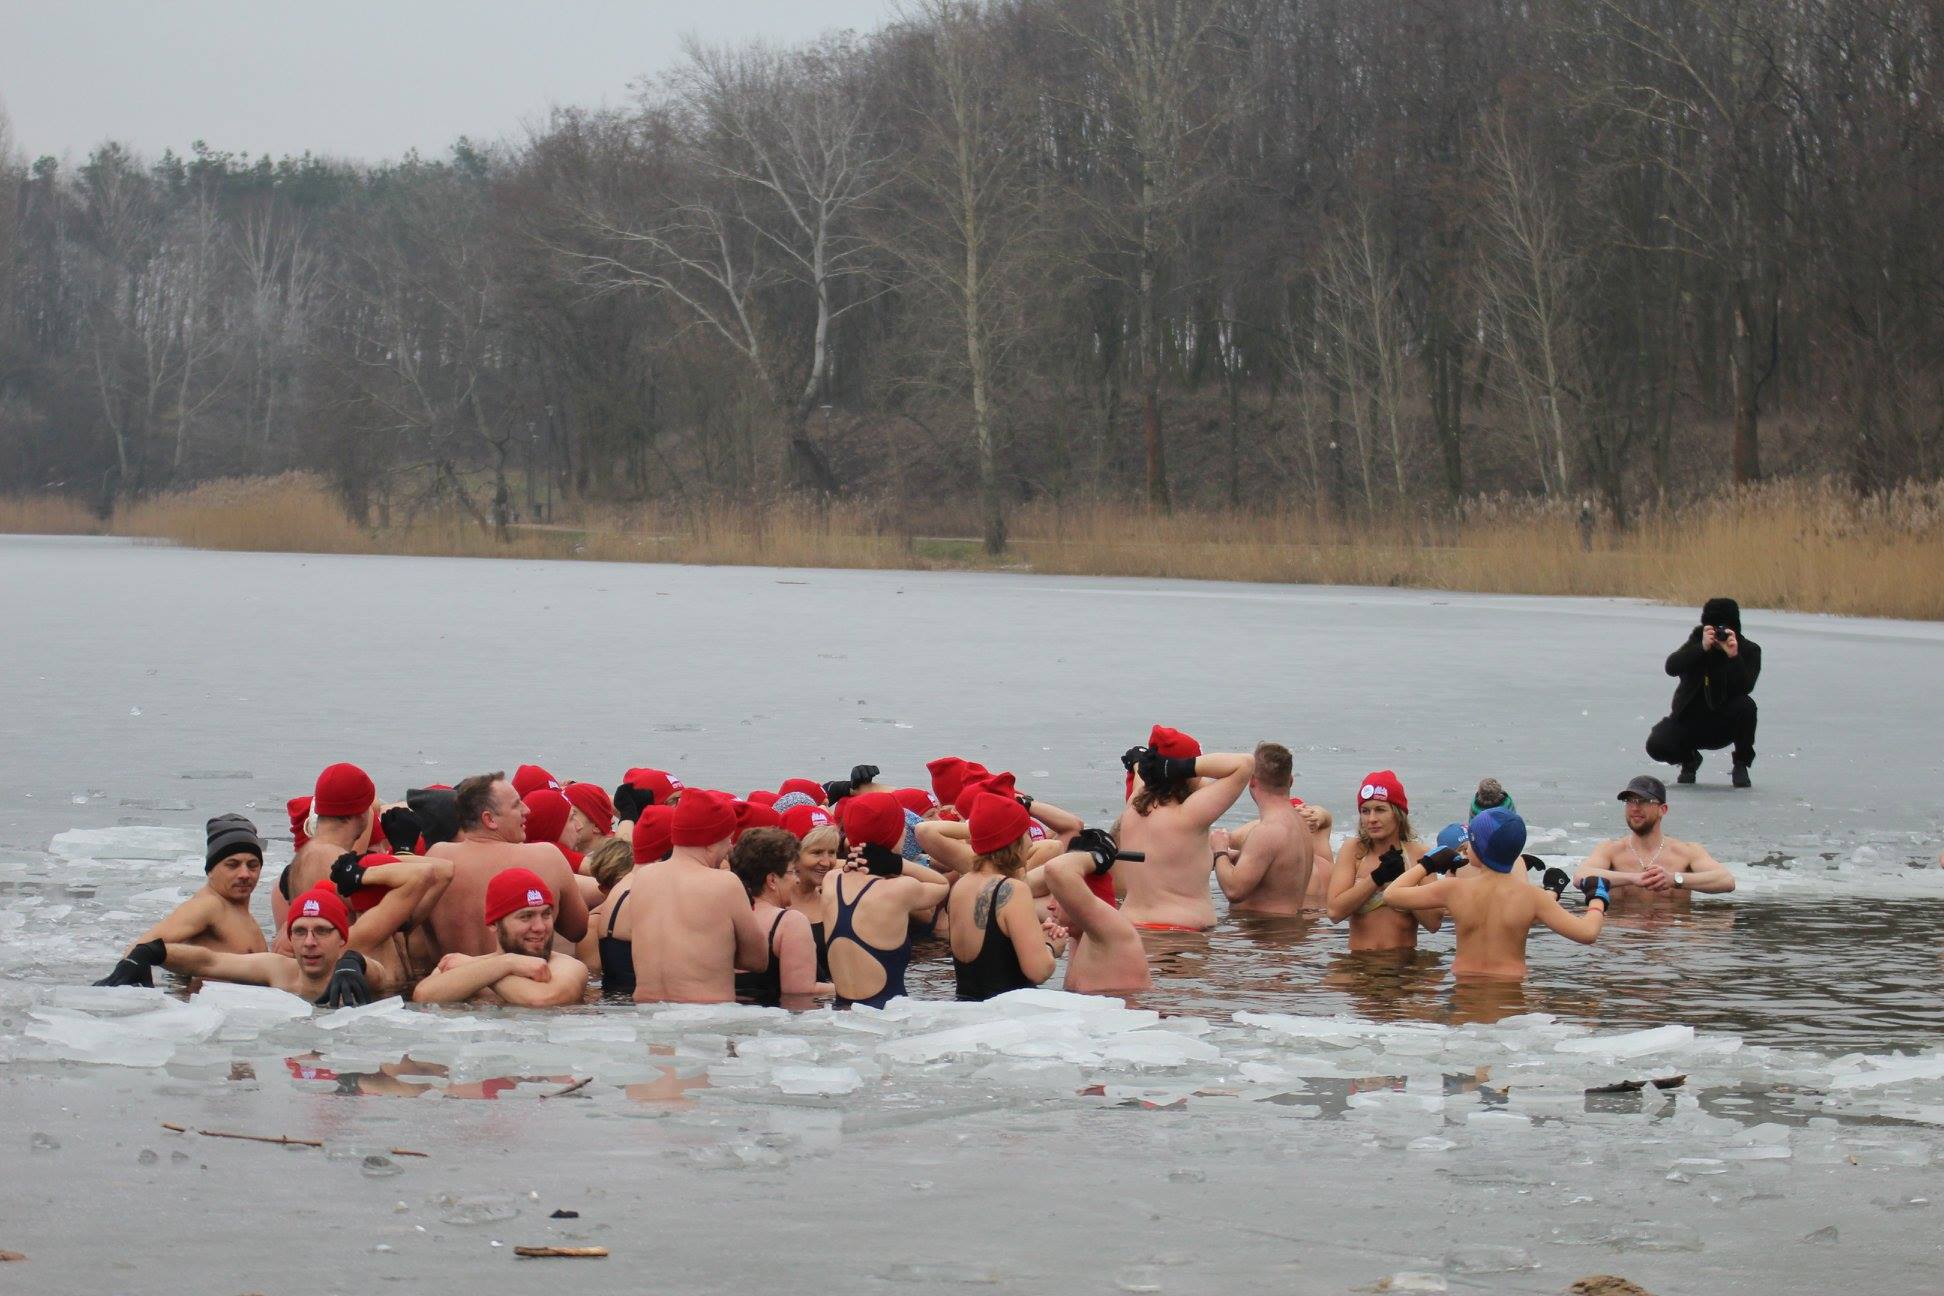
(610, 925)
(816, 856)
(761, 858)
(998, 940)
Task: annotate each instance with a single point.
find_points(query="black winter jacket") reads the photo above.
(1711, 678)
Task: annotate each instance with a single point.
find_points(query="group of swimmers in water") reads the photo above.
(525, 890)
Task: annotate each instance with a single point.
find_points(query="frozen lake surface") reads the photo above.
(1274, 1115)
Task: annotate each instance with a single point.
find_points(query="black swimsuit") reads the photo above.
(765, 987)
(893, 961)
(995, 968)
(617, 955)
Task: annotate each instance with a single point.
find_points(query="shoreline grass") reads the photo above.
(1798, 546)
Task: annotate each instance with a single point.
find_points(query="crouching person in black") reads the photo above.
(1712, 707)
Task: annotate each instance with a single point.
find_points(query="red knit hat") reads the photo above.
(546, 815)
(703, 817)
(592, 800)
(995, 784)
(512, 890)
(801, 819)
(762, 797)
(651, 834)
(1102, 885)
(531, 778)
(366, 897)
(874, 819)
(663, 784)
(750, 815)
(997, 822)
(321, 901)
(949, 774)
(299, 808)
(811, 789)
(1173, 743)
(917, 800)
(1383, 785)
(343, 792)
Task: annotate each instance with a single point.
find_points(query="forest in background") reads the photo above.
(1371, 258)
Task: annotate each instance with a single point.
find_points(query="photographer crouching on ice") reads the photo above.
(1712, 708)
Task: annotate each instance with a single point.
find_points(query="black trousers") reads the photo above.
(1680, 740)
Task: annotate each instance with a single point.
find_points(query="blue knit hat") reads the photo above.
(1497, 836)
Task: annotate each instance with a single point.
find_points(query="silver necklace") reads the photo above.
(1647, 864)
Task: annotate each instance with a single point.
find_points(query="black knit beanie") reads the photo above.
(229, 834)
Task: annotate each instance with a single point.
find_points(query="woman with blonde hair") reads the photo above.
(1383, 848)
(818, 841)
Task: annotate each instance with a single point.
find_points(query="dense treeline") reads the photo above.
(1378, 253)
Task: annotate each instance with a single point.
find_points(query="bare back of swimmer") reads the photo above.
(1168, 819)
(492, 839)
(1265, 866)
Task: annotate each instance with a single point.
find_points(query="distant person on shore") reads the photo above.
(1265, 865)
(492, 838)
(1646, 867)
(691, 925)
(1378, 855)
(1492, 906)
(1717, 669)
(525, 972)
(1177, 794)
(217, 917)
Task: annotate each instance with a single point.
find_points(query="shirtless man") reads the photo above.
(691, 922)
(218, 916)
(1647, 869)
(1493, 906)
(1107, 956)
(1178, 794)
(1264, 867)
(1377, 856)
(492, 838)
(526, 972)
(324, 966)
(345, 809)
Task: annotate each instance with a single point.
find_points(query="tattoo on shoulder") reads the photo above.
(993, 897)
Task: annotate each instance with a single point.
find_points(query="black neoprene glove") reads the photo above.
(1390, 867)
(630, 801)
(1099, 843)
(1446, 859)
(348, 988)
(1595, 888)
(401, 829)
(837, 789)
(1532, 862)
(1556, 880)
(137, 967)
(1156, 769)
(1132, 757)
(881, 861)
(347, 873)
(864, 774)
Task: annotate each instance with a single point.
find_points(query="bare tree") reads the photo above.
(1149, 52)
(1524, 276)
(1357, 283)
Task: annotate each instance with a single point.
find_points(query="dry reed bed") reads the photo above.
(1803, 546)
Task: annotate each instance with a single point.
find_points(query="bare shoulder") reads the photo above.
(1688, 851)
(1604, 851)
(795, 922)
(1414, 850)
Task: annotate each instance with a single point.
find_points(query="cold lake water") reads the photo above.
(1274, 1116)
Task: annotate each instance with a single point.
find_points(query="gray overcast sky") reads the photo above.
(349, 78)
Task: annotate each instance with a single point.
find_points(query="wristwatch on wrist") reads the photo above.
(1680, 881)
